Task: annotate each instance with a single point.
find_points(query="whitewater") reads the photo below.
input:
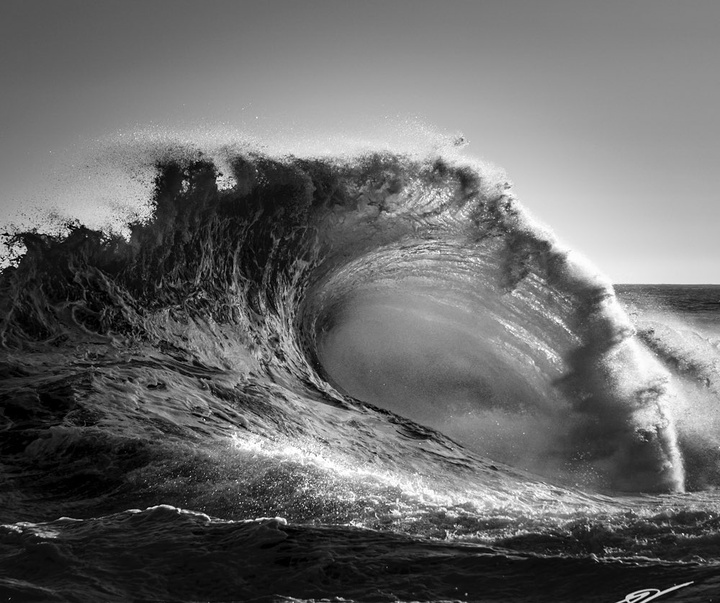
(348, 377)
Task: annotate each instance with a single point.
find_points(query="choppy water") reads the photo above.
(369, 379)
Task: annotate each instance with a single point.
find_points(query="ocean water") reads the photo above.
(367, 378)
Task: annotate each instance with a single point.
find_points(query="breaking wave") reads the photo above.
(414, 285)
(372, 377)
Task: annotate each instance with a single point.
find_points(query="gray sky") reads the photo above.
(605, 114)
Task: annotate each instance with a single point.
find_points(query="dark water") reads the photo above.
(698, 303)
(367, 379)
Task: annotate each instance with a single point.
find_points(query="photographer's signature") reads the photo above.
(649, 594)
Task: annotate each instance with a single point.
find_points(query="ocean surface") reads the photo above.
(366, 378)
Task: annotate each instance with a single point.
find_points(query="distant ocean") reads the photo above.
(368, 378)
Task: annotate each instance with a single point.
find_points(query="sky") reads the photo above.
(605, 114)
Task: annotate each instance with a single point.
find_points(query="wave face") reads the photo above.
(385, 343)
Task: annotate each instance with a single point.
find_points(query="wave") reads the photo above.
(399, 283)
(236, 560)
(372, 377)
